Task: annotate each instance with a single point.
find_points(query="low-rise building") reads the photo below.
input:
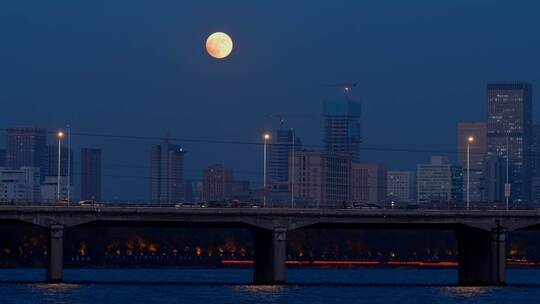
(439, 182)
(368, 183)
(19, 186)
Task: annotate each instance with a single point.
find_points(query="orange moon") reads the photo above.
(219, 45)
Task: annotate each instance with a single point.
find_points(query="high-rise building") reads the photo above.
(321, 179)
(217, 183)
(342, 127)
(281, 144)
(50, 167)
(439, 182)
(166, 173)
(401, 186)
(493, 178)
(91, 174)
(2, 157)
(477, 155)
(19, 185)
(509, 133)
(535, 165)
(368, 183)
(26, 147)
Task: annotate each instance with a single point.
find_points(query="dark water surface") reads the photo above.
(313, 286)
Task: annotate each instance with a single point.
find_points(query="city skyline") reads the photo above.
(274, 144)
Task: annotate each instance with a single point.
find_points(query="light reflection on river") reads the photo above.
(312, 286)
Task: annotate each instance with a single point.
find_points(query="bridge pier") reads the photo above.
(55, 254)
(270, 248)
(482, 257)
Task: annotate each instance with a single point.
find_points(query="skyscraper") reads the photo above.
(278, 160)
(166, 173)
(509, 133)
(26, 147)
(91, 174)
(477, 156)
(321, 179)
(342, 127)
(217, 183)
(368, 183)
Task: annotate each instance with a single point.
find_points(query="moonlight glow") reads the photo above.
(219, 45)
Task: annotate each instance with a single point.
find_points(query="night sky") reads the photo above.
(139, 68)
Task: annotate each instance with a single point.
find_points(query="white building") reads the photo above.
(19, 186)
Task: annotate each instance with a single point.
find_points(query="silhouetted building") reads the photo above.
(217, 183)
(368, 183)
(242, 190)
(494, 173)
(26, 147)
(281, 144)
(91, 174)
(477, 156)
(509, 124)
(50, 167)
(439, 182)
(400, 186)
(2, 157)
(193, 191)
(321, 179)
(166, 173)
(342, 127)
(535, 164)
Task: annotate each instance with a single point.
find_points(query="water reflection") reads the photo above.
(262, 292)
(467, 292)
(54, 289)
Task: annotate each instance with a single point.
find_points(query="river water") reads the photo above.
(313, 286)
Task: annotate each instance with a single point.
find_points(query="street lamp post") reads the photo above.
(292, 168)
(69, 166)
(507, 184)
(470, 140)
(60, 135)
(266, 137)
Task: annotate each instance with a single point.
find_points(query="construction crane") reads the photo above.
(346, 86)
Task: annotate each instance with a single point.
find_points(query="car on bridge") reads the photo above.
(89, 203)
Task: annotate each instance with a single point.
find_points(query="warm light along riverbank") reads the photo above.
(375, 263)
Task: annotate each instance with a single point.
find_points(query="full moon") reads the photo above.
(219, 45)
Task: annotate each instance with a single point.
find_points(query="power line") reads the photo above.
(254, 143)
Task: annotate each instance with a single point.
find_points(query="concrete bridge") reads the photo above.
(481, 234)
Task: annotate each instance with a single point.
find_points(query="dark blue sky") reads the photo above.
(140, 68)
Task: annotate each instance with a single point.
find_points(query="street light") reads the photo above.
(470, 140)
(60, 135)
(266, 137)
(507, 184)
(292, 168)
